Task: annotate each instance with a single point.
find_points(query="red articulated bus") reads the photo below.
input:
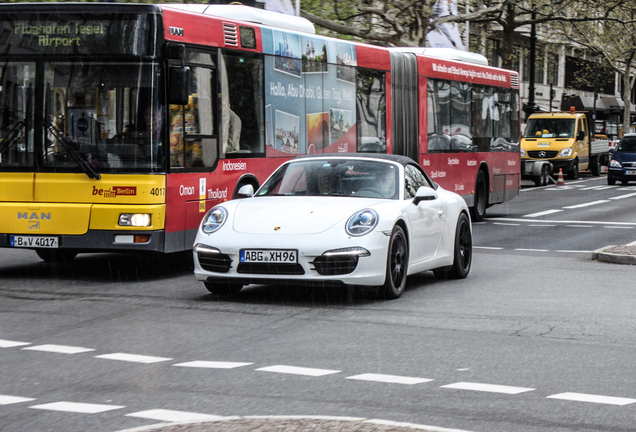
(122, 124)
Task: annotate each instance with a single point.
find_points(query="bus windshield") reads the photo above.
(90, 117)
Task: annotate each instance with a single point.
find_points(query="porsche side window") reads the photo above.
(413, 180)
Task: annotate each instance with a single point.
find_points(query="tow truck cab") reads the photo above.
(565, 140)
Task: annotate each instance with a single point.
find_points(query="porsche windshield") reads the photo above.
(86, 117)
(334, 177)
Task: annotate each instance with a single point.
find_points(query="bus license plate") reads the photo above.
(33, 242)
(268, 256)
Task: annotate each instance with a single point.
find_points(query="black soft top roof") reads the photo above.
(402, 160)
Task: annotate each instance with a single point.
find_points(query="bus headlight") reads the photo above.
(135, 219)
(522, 152)
(566, 152)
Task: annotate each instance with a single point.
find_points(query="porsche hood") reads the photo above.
(293, 216)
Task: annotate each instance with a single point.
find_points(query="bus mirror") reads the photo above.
(179, 87)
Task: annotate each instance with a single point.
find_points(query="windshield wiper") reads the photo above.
(12, 136)
(68, 144)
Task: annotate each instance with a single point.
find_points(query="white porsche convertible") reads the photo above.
(361, 219)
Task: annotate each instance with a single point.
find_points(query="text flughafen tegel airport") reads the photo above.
(69, 34)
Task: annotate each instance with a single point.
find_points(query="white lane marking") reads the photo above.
(573, 251)
(7, 400)
(623, 196)
(582, 397)
(591, 203)
(77, 407)
(580, 226)
(174, 416)
(631, 244)
(618, 227)
(60, 349)
(543, 213)
(606, 187)
(295, 370)
(389, 379)
(563, 222)
(492, 388)
(9, 344)
(212, 364)
(532, 250)
(488, 247)
(135, 358)
(507, 224)
(542, 225)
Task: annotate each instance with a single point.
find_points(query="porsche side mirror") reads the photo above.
(424, 194)
(246, 191)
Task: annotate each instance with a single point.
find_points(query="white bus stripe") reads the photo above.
(133, 358)
(492, 388)
(173, 416)
(389, 379)
(295, 370)
(581, 397)
(586, 204)
(60, 349)
(76, 407)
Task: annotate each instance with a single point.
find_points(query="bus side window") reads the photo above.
(371, 111)
(241, 104)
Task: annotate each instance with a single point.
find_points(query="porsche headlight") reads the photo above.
(362, 223)
(214, 220)
(566, 152)
(615, 164)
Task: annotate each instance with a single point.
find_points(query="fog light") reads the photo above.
(142, 238)
(134, 219)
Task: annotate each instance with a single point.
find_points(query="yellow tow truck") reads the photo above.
(562, 140)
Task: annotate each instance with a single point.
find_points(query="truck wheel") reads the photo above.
(542, 180)
(596, 166)
(573, 172)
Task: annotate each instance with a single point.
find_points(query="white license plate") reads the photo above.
(632, 172)
(269, 256)
(34, 242)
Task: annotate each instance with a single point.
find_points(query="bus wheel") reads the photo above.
(223, 289)
(56, 256)
(478, 210)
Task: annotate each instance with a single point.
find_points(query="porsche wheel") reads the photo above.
(396, 264)
(224, 289)
(463, 252)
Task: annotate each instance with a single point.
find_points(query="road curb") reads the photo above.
(616, 254)
(290, 423)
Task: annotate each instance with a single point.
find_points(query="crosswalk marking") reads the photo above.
(60, 349)
(582, 397)
(212, 364)
(9, 344)
(174, 416)
(389, 379)
(295, 370)
(77, 407)
(8, 400)
(135, 358)
(492, 388)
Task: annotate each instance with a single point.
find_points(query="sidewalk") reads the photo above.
(622, 254)
(291, 424)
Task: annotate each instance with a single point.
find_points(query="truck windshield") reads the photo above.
(550, 128)
(90, 117)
